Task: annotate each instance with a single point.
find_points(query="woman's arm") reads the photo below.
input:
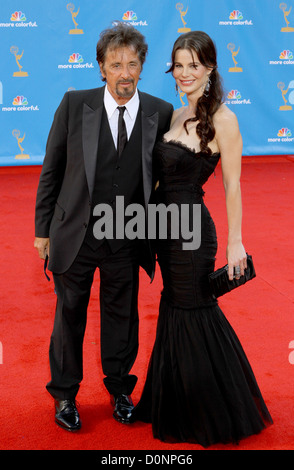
(229, 141)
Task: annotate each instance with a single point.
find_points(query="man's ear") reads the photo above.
(102, 69)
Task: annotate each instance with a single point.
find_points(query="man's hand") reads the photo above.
(42, 245)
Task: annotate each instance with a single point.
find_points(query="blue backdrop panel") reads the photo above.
(49, 47)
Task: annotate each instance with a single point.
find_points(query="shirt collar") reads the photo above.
(131, 106)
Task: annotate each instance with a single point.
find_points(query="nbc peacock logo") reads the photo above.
(131, 17)
(18, 20)
(285, 58)
(20, 101)
(18, 16)
(236, 15)
(283, 135)
(75, 58)
(236, 18)
(286, 55)
(234, 94)
(76, 61)
(284, 132)
(234, 97)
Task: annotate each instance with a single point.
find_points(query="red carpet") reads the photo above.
(262, 314)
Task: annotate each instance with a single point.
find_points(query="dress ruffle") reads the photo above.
(200, 387)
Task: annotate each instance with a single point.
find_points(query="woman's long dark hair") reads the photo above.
(202, 44)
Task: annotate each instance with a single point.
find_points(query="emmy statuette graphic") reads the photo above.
(22, 155)
(179, 7)
(74, 14)
(286, 29)
(281, 86)
(234, 53)
(20, 73)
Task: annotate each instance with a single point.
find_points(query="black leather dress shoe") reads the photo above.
(123, 408)
(67, 415)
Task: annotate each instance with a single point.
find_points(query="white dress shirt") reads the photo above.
(130, 113)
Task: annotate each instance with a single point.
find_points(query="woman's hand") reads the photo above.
(237, 260)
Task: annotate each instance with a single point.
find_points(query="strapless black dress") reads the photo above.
(200, 386)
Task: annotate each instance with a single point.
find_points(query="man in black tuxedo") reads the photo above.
(95, 153)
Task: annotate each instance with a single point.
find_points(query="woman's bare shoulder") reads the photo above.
(225, 116)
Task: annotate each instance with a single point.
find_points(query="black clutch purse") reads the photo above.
(220, 283)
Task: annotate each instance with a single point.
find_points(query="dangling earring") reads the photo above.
(207, 87)
(177, 89)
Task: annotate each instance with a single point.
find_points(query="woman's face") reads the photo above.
(190, 75)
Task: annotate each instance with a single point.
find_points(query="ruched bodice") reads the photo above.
(181, 174)
(200, 386)
(177, 164)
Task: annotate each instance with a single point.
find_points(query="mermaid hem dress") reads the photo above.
(200, 387)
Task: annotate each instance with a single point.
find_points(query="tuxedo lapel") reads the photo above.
(92, 115)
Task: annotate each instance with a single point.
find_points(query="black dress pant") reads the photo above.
(119, 280)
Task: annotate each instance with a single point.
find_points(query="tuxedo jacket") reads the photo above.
(64, 196)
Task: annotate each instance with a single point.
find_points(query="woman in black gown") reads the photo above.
(200, 387)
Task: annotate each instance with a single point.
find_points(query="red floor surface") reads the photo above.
(262, 314)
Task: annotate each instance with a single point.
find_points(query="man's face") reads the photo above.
(121, 69)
